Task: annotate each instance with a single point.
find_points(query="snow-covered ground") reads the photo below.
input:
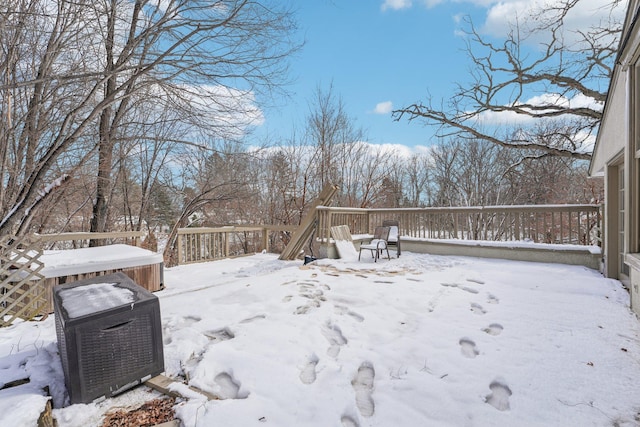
(416, 341)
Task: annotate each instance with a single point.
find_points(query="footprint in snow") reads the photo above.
(304, 309)
(468, 348)
(461, 287)
(493, 329)
(433, 303)
(189, 320)
(499, 396)
(478, 281)
(347, 421)
(449, 285)
(219, 335)
(477, 308)
(228, 387)
(308, 373)
(343, 309)
(254, 318)
(356, 316)
(363, 386)
(333, 334)
(492, 299)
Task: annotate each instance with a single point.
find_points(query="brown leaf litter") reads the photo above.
(151, 413)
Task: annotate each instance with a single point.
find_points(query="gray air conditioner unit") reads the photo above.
(109, 336)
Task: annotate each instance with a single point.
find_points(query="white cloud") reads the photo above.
(399, 150)
(231, 111)
(504, 15)
(432, 3)
(383, 107)
(306, 152)
(550, 99)
(396, 4)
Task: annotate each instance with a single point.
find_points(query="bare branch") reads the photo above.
(563, 83)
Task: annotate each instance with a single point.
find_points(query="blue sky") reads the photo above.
(386, 53)
(373, 58)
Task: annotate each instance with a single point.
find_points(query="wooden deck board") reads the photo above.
(163, 384)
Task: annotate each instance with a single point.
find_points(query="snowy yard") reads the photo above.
(416, 341)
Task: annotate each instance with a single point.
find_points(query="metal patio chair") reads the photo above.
(394, 234)
(377, 244)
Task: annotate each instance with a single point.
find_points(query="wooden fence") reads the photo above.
(22, 292)
(563, 224)
(212, 243)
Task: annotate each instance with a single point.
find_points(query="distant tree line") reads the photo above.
(278, 183)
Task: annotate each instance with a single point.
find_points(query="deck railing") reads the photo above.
(563, 224)
(211, 243)
(74, 240)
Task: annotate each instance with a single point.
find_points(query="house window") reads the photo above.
(624, 268)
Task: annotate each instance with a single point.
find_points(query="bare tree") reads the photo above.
(341, 155)
(209, 177)
(73, 69)
(330, 131)
(287, 182)
(417, 181)
(371, 176)
(470, 173)
(551, 180)
(41, 109)
(571, 71)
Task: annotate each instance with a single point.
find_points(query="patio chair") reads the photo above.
(394, 234)
(377, 244)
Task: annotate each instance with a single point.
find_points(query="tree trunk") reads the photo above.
(105, 149)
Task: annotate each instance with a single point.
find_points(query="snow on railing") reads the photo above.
(81, 239)
(558, 224)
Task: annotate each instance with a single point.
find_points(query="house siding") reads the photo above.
(613, 126)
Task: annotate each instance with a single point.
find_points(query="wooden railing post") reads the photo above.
(181, 254)
(369, 229)
(265, 239)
